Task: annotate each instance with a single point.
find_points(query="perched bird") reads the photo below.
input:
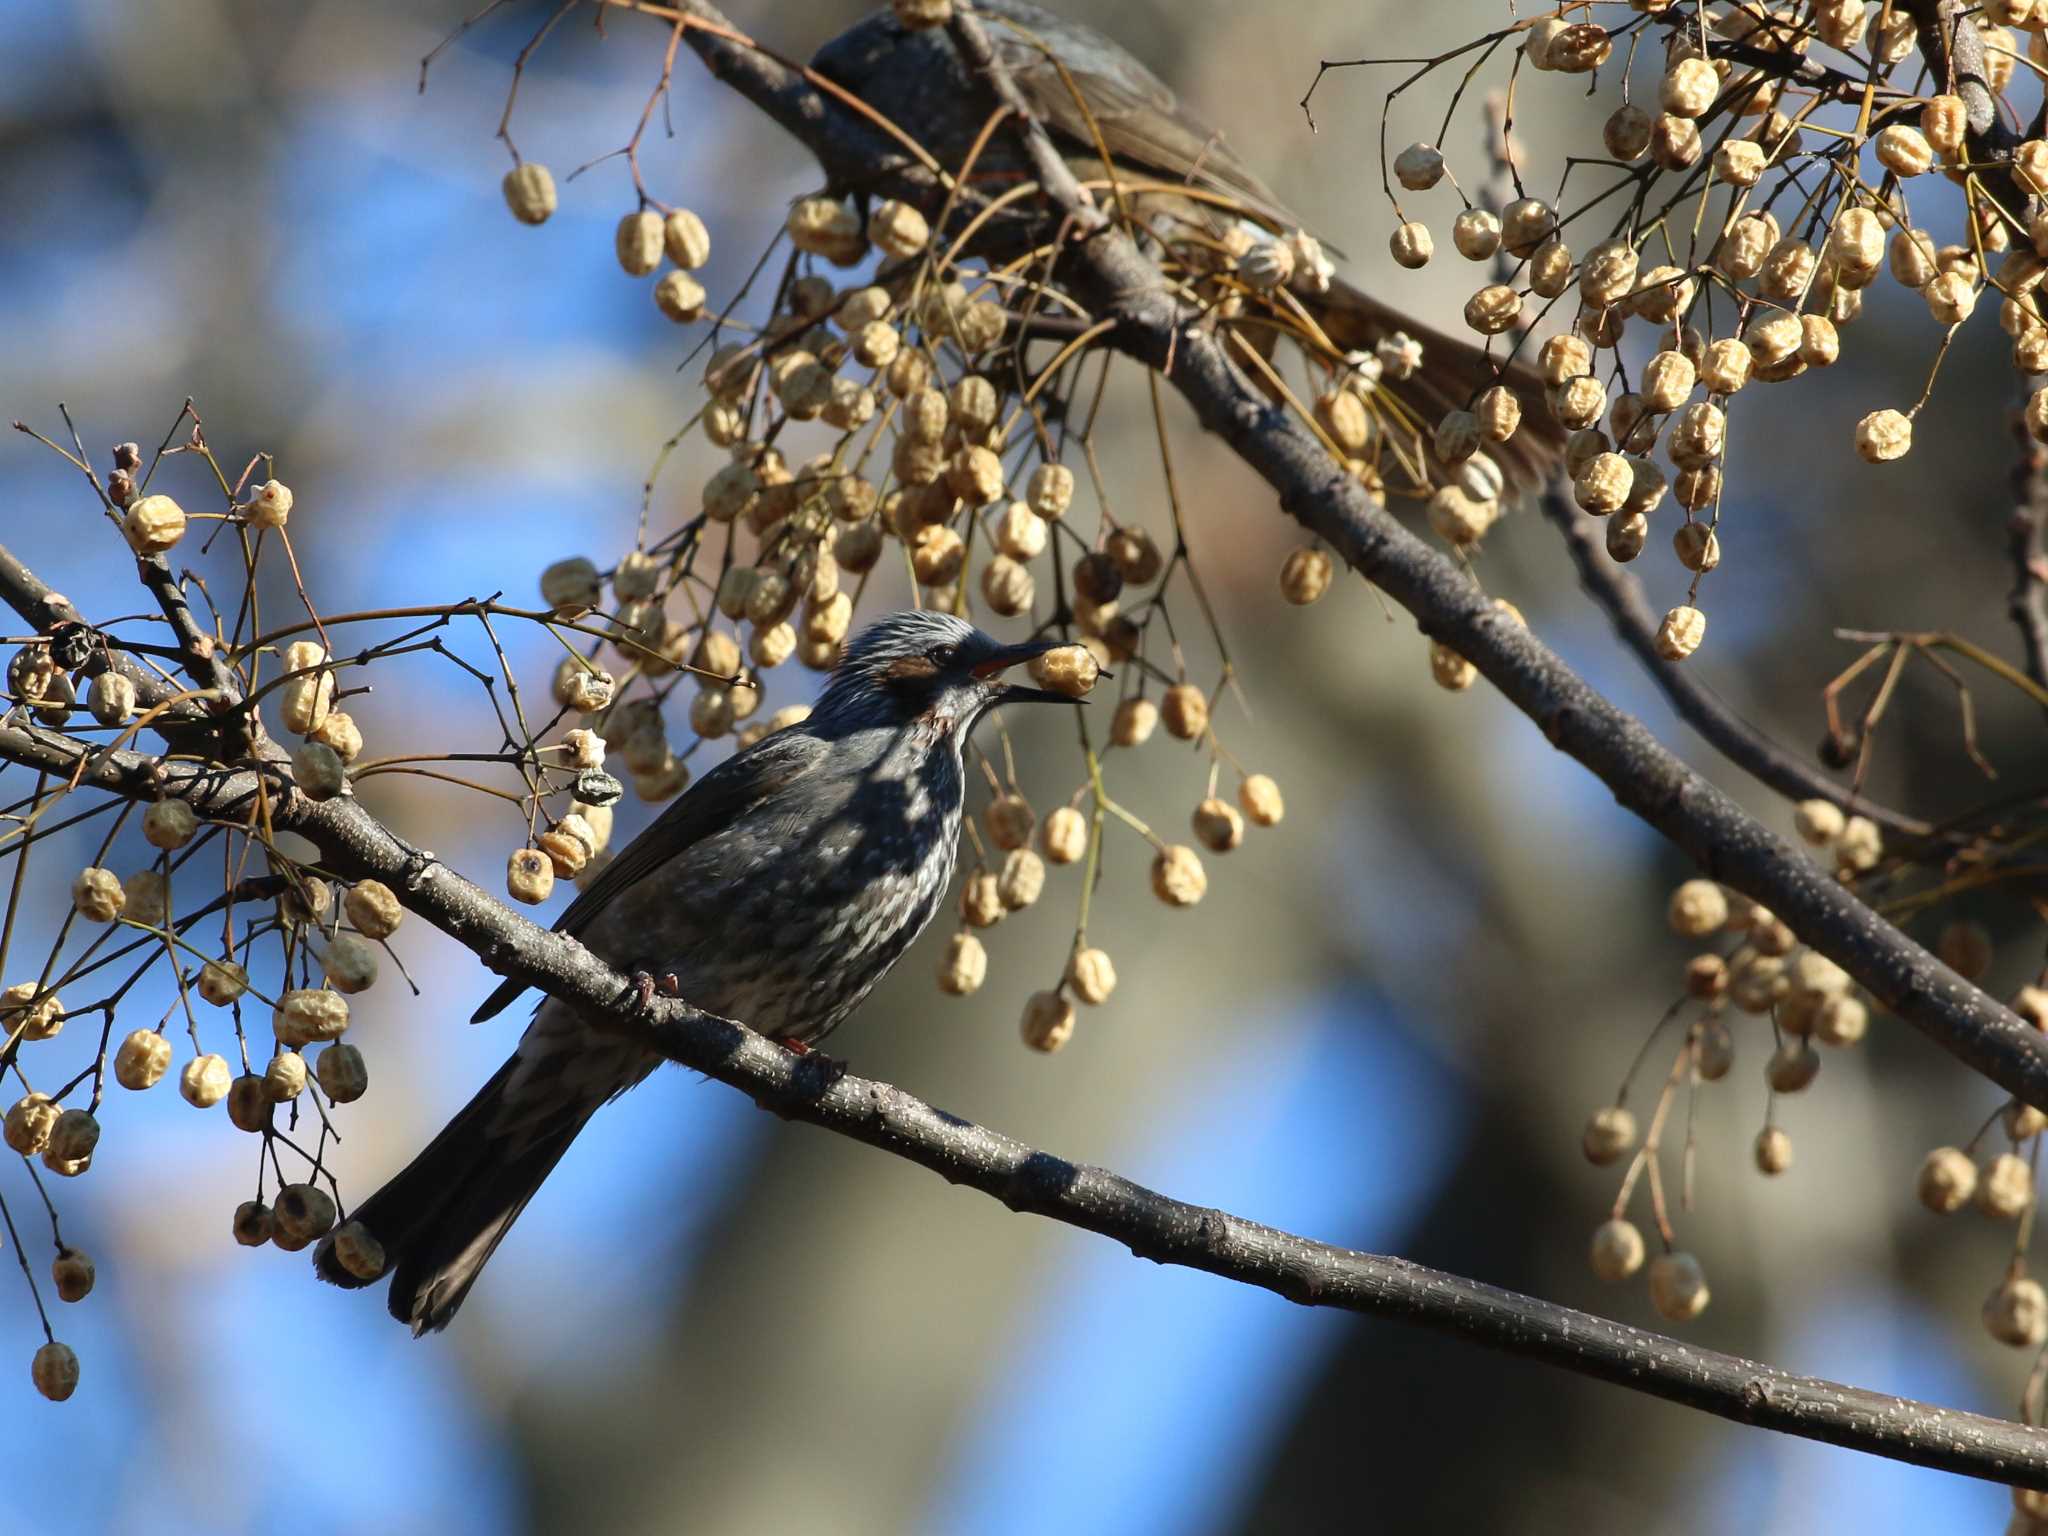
(917, 78)
(778, 891)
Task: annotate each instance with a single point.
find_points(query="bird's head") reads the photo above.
(915, 666)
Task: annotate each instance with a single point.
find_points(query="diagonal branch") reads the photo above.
(355, 845)
(1620, 595)
(2027, 539)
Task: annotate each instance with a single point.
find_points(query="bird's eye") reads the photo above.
(942, 655)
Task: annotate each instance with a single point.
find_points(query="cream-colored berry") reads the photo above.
(1610, 1131)
(96, 895)
(1678, 1286)
(1883, 436)
(1476, 234)
(1412, 245)
(1772, 1151)
(1022, 880)
(1050, 491)
(637, 242)
(1419, 167)
(680, 297)
(2006, 1188)
(308, 1016)
(1134, 722)
(1818, 822)
(1681, 633)
(1947, 1180)
(308, 692)
(152, 524)
(1697, 546)
(1305, 575)
(1048, 1021)
(686, 240)
(530, 192)
(1178, 878)
(204, 1082)
(964, 967)
(1904, 150)
(1068, 669)
(111, 698)
(1218, 825)
(529, 876)
(222, 981)
(2016, 1313)
(349, 963)
(31, 1011)
(285, 1077)
(1740, 162)
(71, 1272)
(1617, 1250)
(1698, 908)
(1626, 133)
(1063, 838)
(1260, 798)
(143, 1058)
(29, 1122)
(1602, 486)
(169, 824)
(981, 900)
(1185, 710)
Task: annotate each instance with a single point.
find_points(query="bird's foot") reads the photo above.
(816, 1073)
(645, 986)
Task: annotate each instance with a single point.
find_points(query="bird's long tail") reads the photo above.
(1452, 375)
(443, 1216)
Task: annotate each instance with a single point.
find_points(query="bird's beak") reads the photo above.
(991, 671)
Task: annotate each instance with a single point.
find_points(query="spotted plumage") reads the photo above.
(777, 891)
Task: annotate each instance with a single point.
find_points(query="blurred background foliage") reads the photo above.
(1383, 1027)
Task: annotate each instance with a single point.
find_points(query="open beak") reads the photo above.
(991, 671)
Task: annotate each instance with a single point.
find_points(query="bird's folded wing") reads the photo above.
(723, 795)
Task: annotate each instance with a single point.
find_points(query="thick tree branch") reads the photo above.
(1620, 596)
(2026, 531)
(355, 845)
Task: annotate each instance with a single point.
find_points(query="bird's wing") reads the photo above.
(1141, 121)
(721, 797)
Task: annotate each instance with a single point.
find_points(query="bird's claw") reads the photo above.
(646, 985)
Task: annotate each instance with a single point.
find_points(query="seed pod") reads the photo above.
(1178, 878)
(1626, 132)
(1579, 49)
(349, 964)
(1626, 536)
(1793, 1066)
(111, 698)
(1608, 274)
(898, 230)
(71, 1272)
(1022, 881)
(142, 1060)
(248, 1104)
(153, 524)
(1603, 486)
(1133, 723)
(638, 242)
(1091, 975)
(1476, 234)
(372, 909)
(1452, 672)
(1947, 1180)
(222, 981)
(1681, 632)
(54, 1370)
(686, 240)
(680, 297)
(358, 1251)
(1678, 1286)
(825, 226)
(306, 697)
(318, 771)
(304, 1212)
(1668, 379)
(1883, 436)
(285, 1077)
(1267, 266)
(340, 1073)
(1698, 908)
(28, 1008)
(29, 1123)
(1610, 1131)
(530, 193)
(1048, 1021)
(1411, 245)
(1741, 250)
(73, 1136)
(1051, 491)
(1493, 309)
(1305, 575)
(1419, 167)
(1726, 367)
(1185, 710)
(1772, 1151)
(2006, 1189)
(96, 895)
(1698, 547)
(307, 1015)
(1578, 403)
(252, 1226)
(1617, 1250)
(1068, 669)
(1904, 150)
(1739, 162)
(204, 1082)
(1218, 824)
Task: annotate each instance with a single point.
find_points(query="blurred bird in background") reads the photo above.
(1191, 192)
